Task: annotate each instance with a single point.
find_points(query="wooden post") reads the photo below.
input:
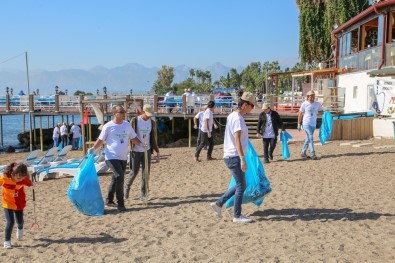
(56, 102)
(190, 132)
(156, 103)
(41, 134)
(184, 104)
(7, 103)
(82, 123)
(31, 102)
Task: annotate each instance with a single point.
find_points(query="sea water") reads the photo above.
(12, 125)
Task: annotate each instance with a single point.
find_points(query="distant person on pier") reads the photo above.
(75, 131)
(56, 135)
(64, 134)
(267, 128)
(169, 101)
(307, 119)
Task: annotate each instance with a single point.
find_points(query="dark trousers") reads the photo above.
(9, 216)
(269, 144)
(118, 168)
(64, 140)
(137, 159)
(204, 139)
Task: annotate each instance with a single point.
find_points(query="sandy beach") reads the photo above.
(340, 208)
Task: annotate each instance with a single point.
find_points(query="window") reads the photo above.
(354, 92)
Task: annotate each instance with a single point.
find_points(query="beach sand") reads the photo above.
(340, 208)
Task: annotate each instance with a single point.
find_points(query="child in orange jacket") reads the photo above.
(13, 180)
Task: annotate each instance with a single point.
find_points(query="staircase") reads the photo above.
(251, 123)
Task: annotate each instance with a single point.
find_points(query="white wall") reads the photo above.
(362, 80)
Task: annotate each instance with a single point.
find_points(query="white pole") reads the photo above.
(30, 114)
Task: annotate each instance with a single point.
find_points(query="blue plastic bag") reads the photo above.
(84, 190)
(284, 137)
(80, 143)
(326, 127)
(257, 184)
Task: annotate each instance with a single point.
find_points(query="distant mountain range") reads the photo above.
(117, 80)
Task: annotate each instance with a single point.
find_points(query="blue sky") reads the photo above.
(81, 34)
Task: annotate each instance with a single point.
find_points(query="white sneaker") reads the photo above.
(242, 219)
(19, 233)
(217, 209)
(7, 244)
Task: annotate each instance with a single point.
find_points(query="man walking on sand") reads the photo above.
(206, 135)
(116, 133)
(309, 111)
(235, 148)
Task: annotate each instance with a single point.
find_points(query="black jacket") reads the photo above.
(276, 122)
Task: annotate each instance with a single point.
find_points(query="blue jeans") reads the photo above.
(118, 168)
(9, 216)
(74, 143)
(309, 141)
(234, 165)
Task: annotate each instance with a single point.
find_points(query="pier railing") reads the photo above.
(161, 104)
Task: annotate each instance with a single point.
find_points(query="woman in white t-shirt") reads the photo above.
(235, 148)
(56, 135)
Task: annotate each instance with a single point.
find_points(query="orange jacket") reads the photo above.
(13, 194)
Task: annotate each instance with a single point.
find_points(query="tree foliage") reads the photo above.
(165, 77)
(316, 21)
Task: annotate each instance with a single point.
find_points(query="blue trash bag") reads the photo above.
(257, 184)
(84, 190)
(80, 143)
(326, 127)
(284, 137)
(60, 146)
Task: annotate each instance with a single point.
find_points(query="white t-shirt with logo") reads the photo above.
(235, 122)
(269, 131)
(207, 115)
(143, 133)
(117, 137)
(310, 111)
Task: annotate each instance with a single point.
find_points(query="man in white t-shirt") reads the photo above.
(56, 135)
(64, 134)
(235, 148)
(145, 129)
(309, 111)
(206, 131)
(75, 131)
(197, 123)
(116, 133)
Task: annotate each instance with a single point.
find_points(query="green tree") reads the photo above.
(165, 77)
(316, 21)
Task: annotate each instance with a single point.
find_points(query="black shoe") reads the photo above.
(121, 209)
(266, 161)
(271, 156)
(111, 204)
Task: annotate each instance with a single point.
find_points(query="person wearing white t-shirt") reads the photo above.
(307, 118)
(206, 135)
(116, 133)
(75, 131)
(64, 134)
(235, 148)
(56, 135)
(198, 122)
(145, 129)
